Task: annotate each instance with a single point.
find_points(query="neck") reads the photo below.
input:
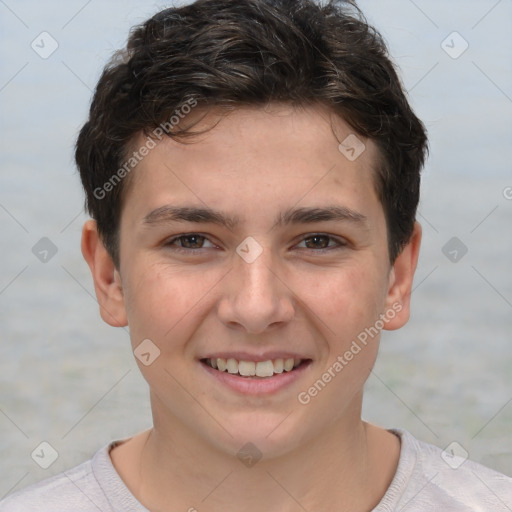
(348, 467)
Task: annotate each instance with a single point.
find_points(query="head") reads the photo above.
(229, 106)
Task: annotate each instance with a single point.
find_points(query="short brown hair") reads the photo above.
(229, 53)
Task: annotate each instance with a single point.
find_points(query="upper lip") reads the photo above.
(246, 356)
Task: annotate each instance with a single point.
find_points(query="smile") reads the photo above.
(256, 374)
(260, 369)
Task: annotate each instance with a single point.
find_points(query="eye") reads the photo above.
(320, 242)
(194, 242)
(188, 242)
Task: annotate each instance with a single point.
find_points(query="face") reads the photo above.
(259, 242)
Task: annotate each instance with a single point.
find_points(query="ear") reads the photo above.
(400, 282)
(107, 280)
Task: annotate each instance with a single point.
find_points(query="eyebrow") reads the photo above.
(303, 215)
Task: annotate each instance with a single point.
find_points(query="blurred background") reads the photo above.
(68, 379)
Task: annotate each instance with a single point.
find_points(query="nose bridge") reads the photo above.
(257, 298)
(258, 277)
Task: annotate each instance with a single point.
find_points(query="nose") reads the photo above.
(257, 297)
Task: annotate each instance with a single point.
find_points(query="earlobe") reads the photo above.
(107, 280)
(400, 282)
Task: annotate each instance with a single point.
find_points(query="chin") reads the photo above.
(260, 435)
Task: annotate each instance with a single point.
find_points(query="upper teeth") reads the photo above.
(251, 368)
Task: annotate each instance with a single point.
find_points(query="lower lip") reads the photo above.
(257, 385)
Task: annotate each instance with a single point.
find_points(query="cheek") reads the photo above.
(345, 298)
(161, 299)
(349, 303)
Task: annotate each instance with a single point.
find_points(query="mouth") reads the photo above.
(256, 369)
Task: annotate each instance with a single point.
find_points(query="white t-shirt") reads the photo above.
(423, 482)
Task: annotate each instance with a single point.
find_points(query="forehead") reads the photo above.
(254, 158)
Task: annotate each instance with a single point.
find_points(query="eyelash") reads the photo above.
(341, 243)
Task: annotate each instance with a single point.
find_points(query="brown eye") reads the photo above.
(188, 242)
(317, 242)
(320, 242)
(191, 241)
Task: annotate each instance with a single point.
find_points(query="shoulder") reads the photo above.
(76, 490)
(430, 479)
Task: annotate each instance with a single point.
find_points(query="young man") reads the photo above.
(252, 169)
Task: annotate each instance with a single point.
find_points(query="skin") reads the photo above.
(255, 163)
